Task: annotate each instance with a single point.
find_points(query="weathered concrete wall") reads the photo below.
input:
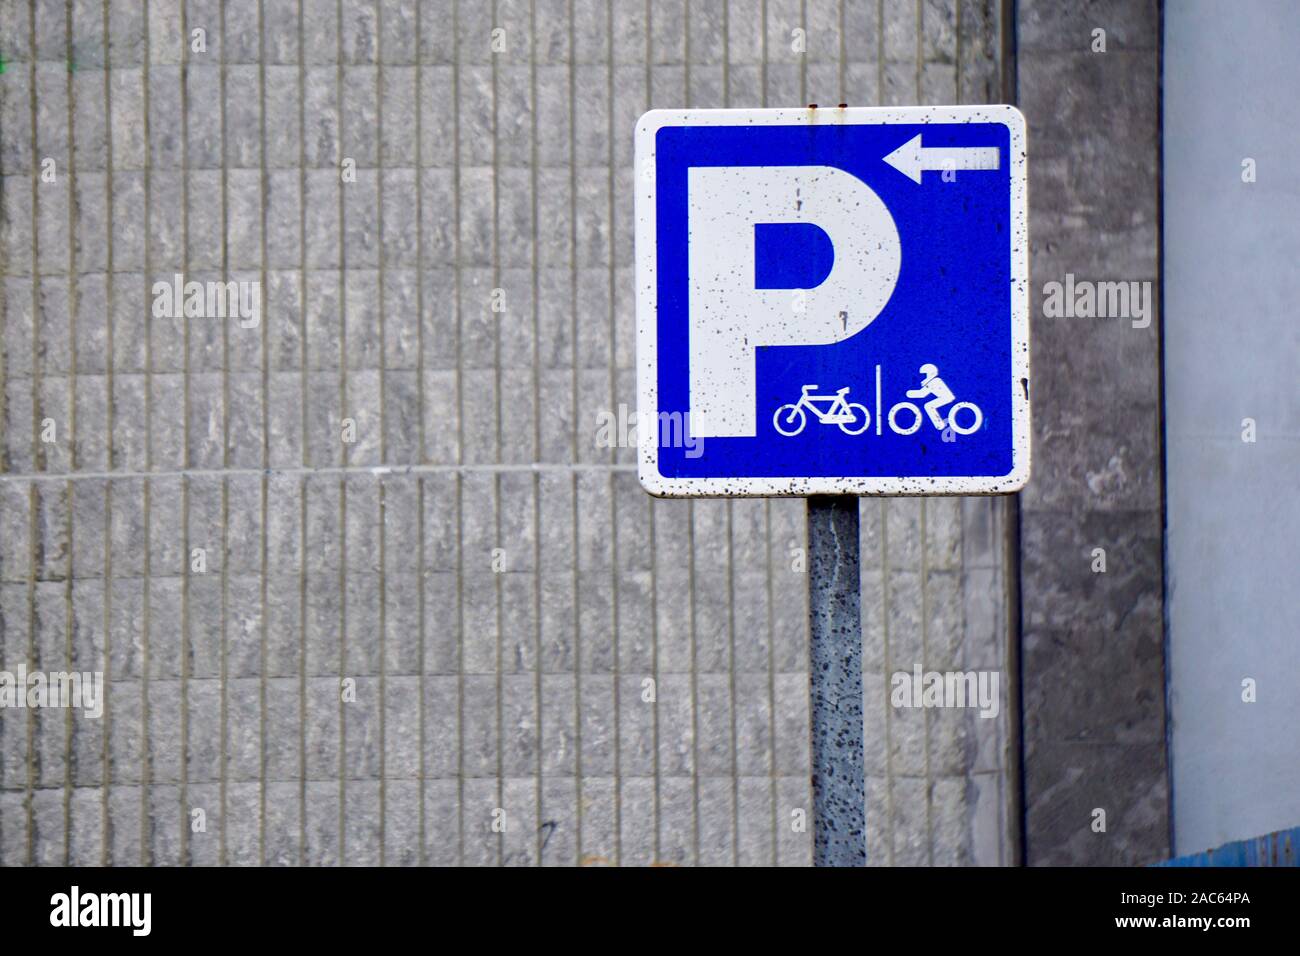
(495, 583)
(1093, 656)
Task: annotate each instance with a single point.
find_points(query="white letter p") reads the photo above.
(730, 317)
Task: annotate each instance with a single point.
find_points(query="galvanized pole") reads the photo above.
(835, 673)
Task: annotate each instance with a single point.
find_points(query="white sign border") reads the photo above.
(647, 311)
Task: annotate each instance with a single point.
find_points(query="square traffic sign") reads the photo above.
(832, 301)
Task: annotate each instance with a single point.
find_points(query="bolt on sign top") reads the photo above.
(832, 301)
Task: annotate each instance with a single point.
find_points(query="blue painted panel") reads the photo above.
(1273, 849)
(950, 307)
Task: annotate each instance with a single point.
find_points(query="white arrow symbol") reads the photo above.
(911, 158)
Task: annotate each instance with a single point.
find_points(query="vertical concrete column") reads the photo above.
(1096, 789)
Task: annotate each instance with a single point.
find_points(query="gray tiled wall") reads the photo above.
(465, 609)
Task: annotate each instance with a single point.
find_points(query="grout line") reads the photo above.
(731, 677)
(68, 643)
(926, 662)
(186, 651)
(304, 449)
(773, 795)
(73, 281)
(224, 716)
(346, 452)
(422, 433)
(613, 453)
(498, 414)
(302, 668)
(35, 446)
(537, 431)
(573, 435)
(343, 663)
(185, 247)
(187, 644)
(31, 666)
(422, 852)
(110, 318)
(146, 850)
(460, 440)
(73, 278)
(266, 446)
(379, 242)
(383, 441)
(38, 453)
(460, 661)
(146, 776)
(262, 691)
(383, 672)
(422, 856)
(888, 666)
(105, 822)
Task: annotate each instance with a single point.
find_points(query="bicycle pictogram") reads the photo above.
(852, 417)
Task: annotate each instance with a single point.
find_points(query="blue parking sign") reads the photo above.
(832, 301)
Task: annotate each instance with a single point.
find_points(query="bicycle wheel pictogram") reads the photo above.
(893, 418)
(973, 426)
(853, 426)
(789, 420)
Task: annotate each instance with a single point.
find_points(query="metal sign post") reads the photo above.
(833, 303)
(835, 678)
